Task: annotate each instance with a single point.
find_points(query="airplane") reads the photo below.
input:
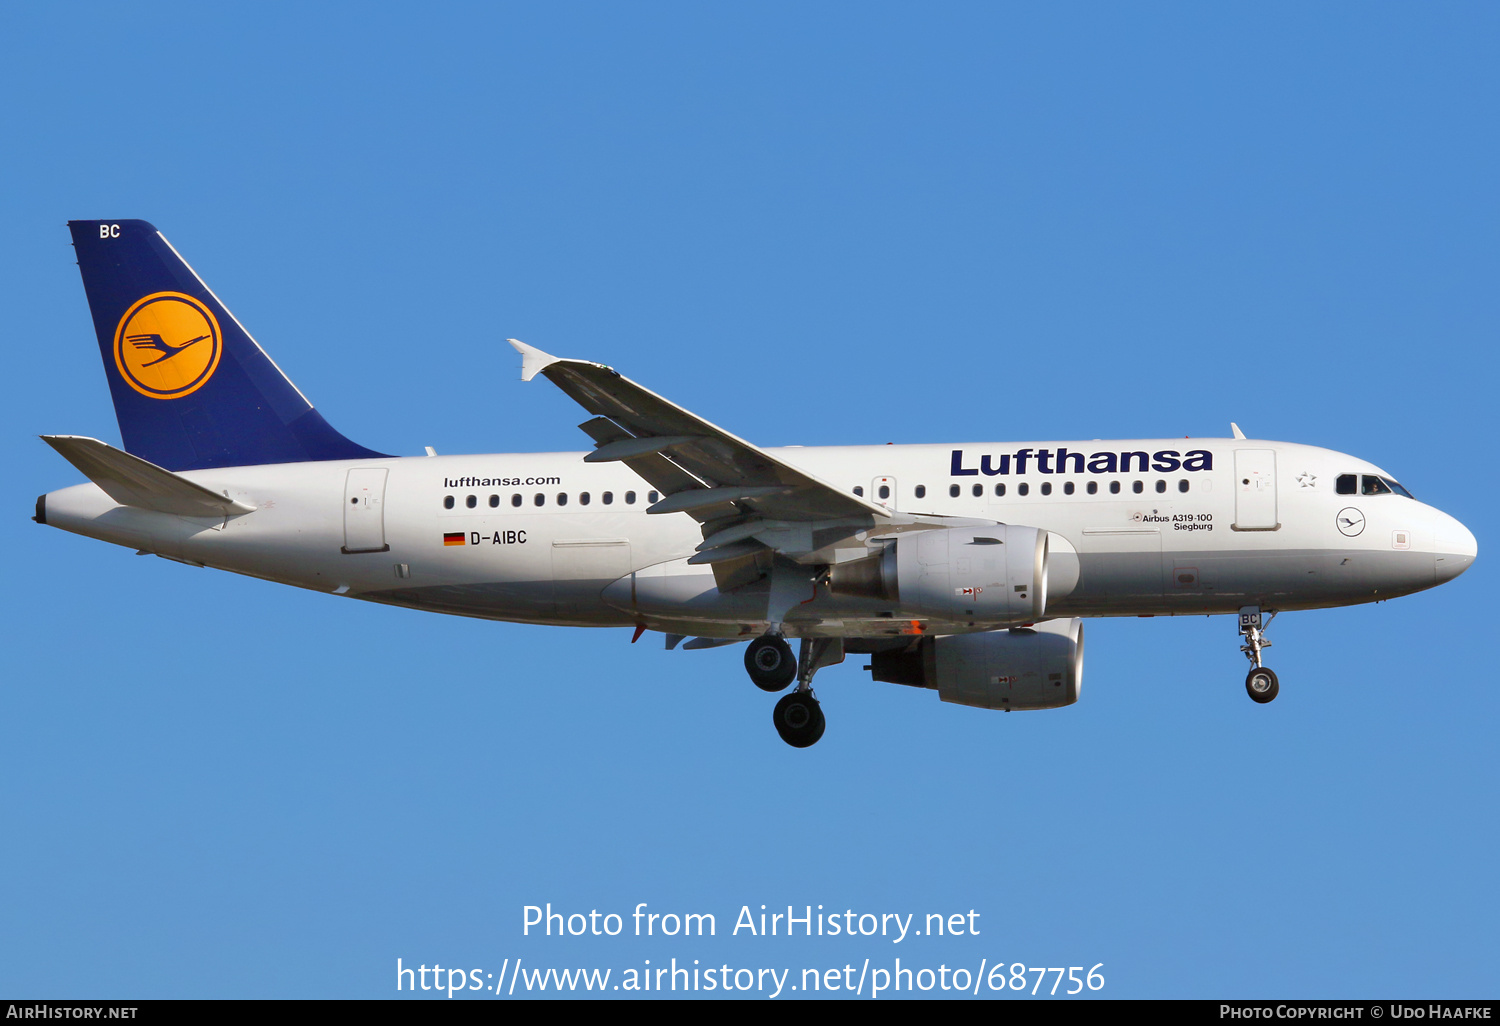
(964, 568)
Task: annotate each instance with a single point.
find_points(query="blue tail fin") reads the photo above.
(191, 388)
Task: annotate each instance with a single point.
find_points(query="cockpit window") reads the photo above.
(1372, 485)
(1398, 489)
(1347, 484)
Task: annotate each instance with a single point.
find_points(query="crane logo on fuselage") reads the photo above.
(167, 345)
(1351, 522)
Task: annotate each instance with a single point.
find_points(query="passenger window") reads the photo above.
(583, 498)
(1022, 488)
(652, 496)
(630, 498)
(1114, 488)
(447, 502)
(978, 490)
(859, 490)
(1138, 488)
(515, 500)
(608, 498)
(562, 498)
(1161, 486)
(471, 501)
(540, 499)
(1067, 487)
(1046, 487)
(1347, 484)
(1182, 485)
(1372, 485)
(1093, 488)
(494, 501)
(921, 492)
(953, 491)
(1000, 489)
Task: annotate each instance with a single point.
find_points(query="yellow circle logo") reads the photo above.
(167, 345)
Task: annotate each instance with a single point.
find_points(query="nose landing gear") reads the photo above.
(1260, 684)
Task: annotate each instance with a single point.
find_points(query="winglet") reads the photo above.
(1236, 429)
(533, 359)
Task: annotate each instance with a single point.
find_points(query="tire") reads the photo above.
(1261, 685)
(770, 663)
(799, 719)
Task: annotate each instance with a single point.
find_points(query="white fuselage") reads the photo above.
(548, 538)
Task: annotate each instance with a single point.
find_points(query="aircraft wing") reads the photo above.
(700, 469)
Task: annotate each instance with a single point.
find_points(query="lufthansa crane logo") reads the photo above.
(1350, 522)
(167, 345)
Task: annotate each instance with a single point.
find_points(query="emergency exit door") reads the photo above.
(364, 511)
(1255, 490)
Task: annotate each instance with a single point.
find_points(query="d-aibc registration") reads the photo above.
(963, 568)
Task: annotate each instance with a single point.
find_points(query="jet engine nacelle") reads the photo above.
(1038, 667)
(995, 574)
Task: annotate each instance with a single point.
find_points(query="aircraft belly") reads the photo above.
(689, 595)
(516, 601)
(582, 568)
(1120, 584)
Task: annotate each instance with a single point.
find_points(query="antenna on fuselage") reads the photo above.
(1236, 429)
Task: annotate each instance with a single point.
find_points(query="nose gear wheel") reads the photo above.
(1261, 685)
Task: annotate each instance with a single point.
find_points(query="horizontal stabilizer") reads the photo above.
(131, 481)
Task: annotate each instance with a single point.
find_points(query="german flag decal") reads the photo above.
(454, 539)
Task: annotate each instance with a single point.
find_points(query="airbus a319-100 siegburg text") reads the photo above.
(963, 568)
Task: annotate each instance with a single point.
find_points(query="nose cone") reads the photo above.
(1454, 546)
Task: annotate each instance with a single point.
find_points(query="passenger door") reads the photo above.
(1255, 490)
(364, 511)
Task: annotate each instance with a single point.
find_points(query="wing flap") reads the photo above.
(627, 447)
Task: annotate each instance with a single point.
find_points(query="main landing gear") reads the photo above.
(770, 663)
(1260, 683)
(798, 716)
(799, 719)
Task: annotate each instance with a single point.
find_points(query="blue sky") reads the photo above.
(810, 224)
